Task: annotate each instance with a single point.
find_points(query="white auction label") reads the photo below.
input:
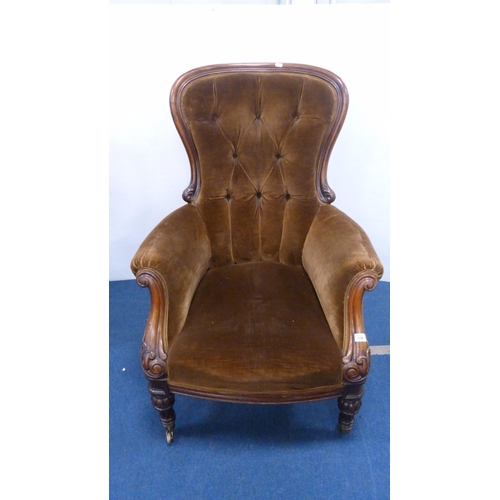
(359, 337)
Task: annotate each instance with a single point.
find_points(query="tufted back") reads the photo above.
(258, 137)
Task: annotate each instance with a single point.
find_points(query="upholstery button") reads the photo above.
(257, 115)
(235, 155)
(287, 196)
(258, 194)
(278, 156)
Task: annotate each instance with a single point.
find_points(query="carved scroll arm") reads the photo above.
(154, 343)
(170, 262)
(342, 263)
(356, 350)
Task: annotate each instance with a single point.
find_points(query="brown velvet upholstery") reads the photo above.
(246, 325)
(257, 283)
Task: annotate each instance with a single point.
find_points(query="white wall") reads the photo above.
(151, 45)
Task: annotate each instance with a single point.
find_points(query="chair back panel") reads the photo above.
(258, 138)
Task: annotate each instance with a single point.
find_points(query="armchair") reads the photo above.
(257, 282)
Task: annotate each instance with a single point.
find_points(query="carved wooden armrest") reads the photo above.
(170, 262)
(341, 263)
(355, 347)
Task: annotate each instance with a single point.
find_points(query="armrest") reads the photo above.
(341, 263)
(171, 262)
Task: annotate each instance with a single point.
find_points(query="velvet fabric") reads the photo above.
(258, 137)
(255, 270)
(335, 251)
(178, 251)
(255, 328)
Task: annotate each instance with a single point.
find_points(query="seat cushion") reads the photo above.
(255, 328)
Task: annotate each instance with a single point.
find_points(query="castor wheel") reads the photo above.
(170, 437)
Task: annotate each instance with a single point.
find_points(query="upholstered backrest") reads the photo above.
(258, 137)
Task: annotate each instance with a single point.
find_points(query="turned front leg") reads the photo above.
(349, 405)
(163, 400)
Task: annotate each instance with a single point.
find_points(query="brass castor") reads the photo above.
(170, 437)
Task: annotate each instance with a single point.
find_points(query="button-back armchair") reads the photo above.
(257, 282)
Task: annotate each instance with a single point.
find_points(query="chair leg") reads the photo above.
(163, 400)
(349, 404)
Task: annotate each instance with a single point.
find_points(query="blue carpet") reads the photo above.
(237, 451)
